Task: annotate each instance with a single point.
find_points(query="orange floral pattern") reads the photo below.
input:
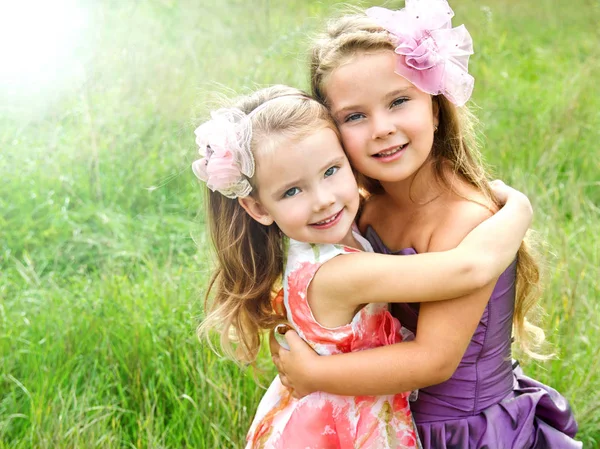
(321, 420)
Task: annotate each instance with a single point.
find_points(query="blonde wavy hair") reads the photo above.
(249, 255)
(455, 146)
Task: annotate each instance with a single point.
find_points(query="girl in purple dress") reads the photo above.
(396, 83)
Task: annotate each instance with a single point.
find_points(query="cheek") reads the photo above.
(350, 188)
(350, 182)
(296, 213)
(427, 132)
(354, 150)
(351, 136)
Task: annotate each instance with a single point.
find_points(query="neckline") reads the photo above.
(363, 242)
(380, 247)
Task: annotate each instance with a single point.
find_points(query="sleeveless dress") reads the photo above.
(321, 420)
(488, 402)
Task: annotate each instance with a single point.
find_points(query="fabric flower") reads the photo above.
(431, 54)
(227, 163)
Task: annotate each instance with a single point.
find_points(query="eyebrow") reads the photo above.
(388, 96)
(279, 192)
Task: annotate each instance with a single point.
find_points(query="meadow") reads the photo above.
(103, 254)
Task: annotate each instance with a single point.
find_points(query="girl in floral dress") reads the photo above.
(281, 206)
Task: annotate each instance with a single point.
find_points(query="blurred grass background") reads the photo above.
(103, 258)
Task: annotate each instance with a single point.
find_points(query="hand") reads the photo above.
(500, 190)
(504, 193)
(273, 344)
(294, 365)
(518, 202)
(277, 338)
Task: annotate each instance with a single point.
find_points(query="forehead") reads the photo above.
(362, 76)
(290, 159)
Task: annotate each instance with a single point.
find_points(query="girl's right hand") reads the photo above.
(294, 365)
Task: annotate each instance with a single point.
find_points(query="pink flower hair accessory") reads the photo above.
(431, 54)
(227, 163)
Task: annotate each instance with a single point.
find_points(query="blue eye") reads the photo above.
(291, 192)
(353, 117)
(399, 101)
(331, 170)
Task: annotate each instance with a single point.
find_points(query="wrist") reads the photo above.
(315, 375)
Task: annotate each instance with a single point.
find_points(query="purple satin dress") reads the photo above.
(488, 403)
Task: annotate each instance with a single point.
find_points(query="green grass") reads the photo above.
(103, 257)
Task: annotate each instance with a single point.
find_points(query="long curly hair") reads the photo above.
(249, 255)
(455, 146)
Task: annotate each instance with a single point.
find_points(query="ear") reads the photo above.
(256, 210)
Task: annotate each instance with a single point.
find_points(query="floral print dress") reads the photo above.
(321, 420)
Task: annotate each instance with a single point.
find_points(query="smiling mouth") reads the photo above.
(327, 221)
(391, 152)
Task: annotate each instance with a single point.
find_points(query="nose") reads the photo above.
(382, 126)
(323, 198)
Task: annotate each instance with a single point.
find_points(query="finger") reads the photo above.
(500, 191)
(284, 381)
(279, 335)
(279, 365)
(295, 394)
(293, 339)
(273, 344)
(499, 188)
(275, 359)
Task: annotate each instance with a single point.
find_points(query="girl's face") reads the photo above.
(386, 123)
(307, 187)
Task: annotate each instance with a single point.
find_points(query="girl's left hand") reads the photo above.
(295, 365)
(504, 193)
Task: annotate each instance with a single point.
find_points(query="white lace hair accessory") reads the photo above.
(227, 163)
(224, 144)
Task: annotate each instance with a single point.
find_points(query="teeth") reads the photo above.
(329, 220)
(390, 152)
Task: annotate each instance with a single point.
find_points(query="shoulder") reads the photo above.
(456, 218)
(303, 258)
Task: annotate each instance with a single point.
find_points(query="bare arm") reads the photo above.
(478, 259)
(445, 329)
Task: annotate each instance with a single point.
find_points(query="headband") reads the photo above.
(227, 164)
(431, 54)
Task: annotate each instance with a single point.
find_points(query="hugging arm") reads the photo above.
(441, 273)
(444, 331)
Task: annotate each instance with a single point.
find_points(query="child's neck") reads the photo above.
(351, 241)
(417, 190)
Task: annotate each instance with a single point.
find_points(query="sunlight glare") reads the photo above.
(37, 40)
